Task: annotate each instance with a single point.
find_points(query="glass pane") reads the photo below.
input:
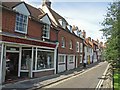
(26, 57)
(34, 58)
(45, 60)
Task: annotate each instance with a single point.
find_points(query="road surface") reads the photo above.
(87, 79)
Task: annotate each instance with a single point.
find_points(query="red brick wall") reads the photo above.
(34, 29)
(43, 73)
(68, 36)
(8, 21)
(53, 35)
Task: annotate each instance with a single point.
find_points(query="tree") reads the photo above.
(111, 31)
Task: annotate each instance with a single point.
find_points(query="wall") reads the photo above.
(34, 27)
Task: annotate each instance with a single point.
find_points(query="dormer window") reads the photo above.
(46, 31)
(62, 23)
(69, 28)
(21, 23)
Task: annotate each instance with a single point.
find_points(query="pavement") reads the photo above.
(35, 83)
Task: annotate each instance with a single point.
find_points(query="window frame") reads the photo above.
(73, 58)
(59, 58)
(46, 28)
(63, 42)
(70, 44)
(26, 24)
(77, 47)
(81, 47)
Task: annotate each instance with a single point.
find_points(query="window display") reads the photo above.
(26, 56)
(45, 60)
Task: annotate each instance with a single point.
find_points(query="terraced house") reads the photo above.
(70, 50)
(88, 48)
(28, 44)
(36, 42)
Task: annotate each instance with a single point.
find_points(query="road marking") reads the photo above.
(75, 75)
(101, 81)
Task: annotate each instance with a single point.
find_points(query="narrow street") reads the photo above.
(88, 79)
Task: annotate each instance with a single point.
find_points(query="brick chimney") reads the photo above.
(74, 28)
(84, 34)
(89, 38)
(97, 41)
(47, 3)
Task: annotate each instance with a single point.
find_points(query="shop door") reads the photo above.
(11, 65)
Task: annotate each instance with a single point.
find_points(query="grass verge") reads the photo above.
(116, 79)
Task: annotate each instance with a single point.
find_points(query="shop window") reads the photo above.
(45, 59)
(21, 23)
(34, 58)
(26, 57)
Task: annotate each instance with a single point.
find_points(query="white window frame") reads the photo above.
(81, 47)
(70, 44)
(63, 42)
(59, 58)
(77, 46)
(62, 23)
(46, 28)
(72, 59)
(24, 32)
(81, 58)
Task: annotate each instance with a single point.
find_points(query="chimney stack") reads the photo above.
(89, 38)
(47, 3)
(84, 34)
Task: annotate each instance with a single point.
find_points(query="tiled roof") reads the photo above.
(34, 12)
(57, 16)
(88, 43)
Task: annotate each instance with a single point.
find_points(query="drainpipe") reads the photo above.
(55, 57)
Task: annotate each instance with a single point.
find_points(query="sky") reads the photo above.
(86, 14)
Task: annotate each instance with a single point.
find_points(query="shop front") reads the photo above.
(26, 60)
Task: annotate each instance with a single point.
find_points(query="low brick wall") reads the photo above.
(43, 73)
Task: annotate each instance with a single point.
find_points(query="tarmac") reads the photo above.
(36, 83)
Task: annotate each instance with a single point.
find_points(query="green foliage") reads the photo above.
(111, 31)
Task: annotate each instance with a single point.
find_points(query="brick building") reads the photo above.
(70, 50)
(28, 44)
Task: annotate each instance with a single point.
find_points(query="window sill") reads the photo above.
(61, 63)
(20, 32)
(62, 47)
(45, 37)
(70, 48)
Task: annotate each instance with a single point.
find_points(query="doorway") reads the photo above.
(12, 60)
